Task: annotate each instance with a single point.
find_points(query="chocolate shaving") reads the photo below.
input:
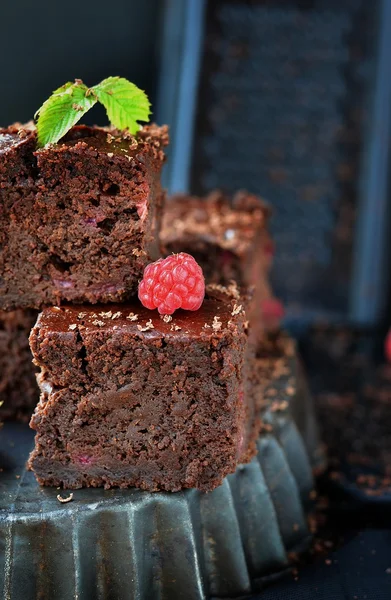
(65, 500)
(107, 314)
(132, 317)
(236, 309)
(217, 324)
(148, 326)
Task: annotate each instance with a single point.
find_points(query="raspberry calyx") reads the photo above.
(171, 283)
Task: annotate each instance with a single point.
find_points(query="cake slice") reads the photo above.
(130, 398)
(79, 220)
(229, 238)
(18, 387)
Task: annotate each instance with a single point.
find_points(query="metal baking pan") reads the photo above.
(131, 544)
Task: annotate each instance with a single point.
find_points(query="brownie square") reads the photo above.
(18, 386)
(229, 238)
(133, 399)
(79, 219)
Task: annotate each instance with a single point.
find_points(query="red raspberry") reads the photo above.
(387, 346)
(171, 283)
(272, 309)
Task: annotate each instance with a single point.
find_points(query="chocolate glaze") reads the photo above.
(100, 317)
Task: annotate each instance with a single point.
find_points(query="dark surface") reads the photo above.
(360, 570)
(123, 544)
(79, 220)
(152, 403)
(351, 554)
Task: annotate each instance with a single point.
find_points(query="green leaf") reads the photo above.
(62, 110)
(124, 102)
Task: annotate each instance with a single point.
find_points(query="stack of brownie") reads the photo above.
(130, 397)
(78, 223)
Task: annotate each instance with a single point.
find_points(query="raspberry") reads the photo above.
(387, 346)
(272, 309)
(171, 283)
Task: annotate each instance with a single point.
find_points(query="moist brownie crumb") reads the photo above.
(75, 224)
(154, 404)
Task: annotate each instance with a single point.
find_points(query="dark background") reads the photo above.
(43, 44)
(285, 106)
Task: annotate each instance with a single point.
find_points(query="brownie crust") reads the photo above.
(79, 220)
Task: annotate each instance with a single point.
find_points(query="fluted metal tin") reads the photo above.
(135, 545)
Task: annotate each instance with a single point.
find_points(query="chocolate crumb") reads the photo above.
(138, 252)
(266, 428)
(278, 406)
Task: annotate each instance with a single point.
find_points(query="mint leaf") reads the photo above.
(124, 102)
(125, 105)
(61, 111)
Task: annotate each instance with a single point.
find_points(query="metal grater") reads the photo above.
(286, 107)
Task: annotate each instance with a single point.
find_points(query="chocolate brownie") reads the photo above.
(133, 399)
(18, 387)
(229, 238)
(79, 219)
